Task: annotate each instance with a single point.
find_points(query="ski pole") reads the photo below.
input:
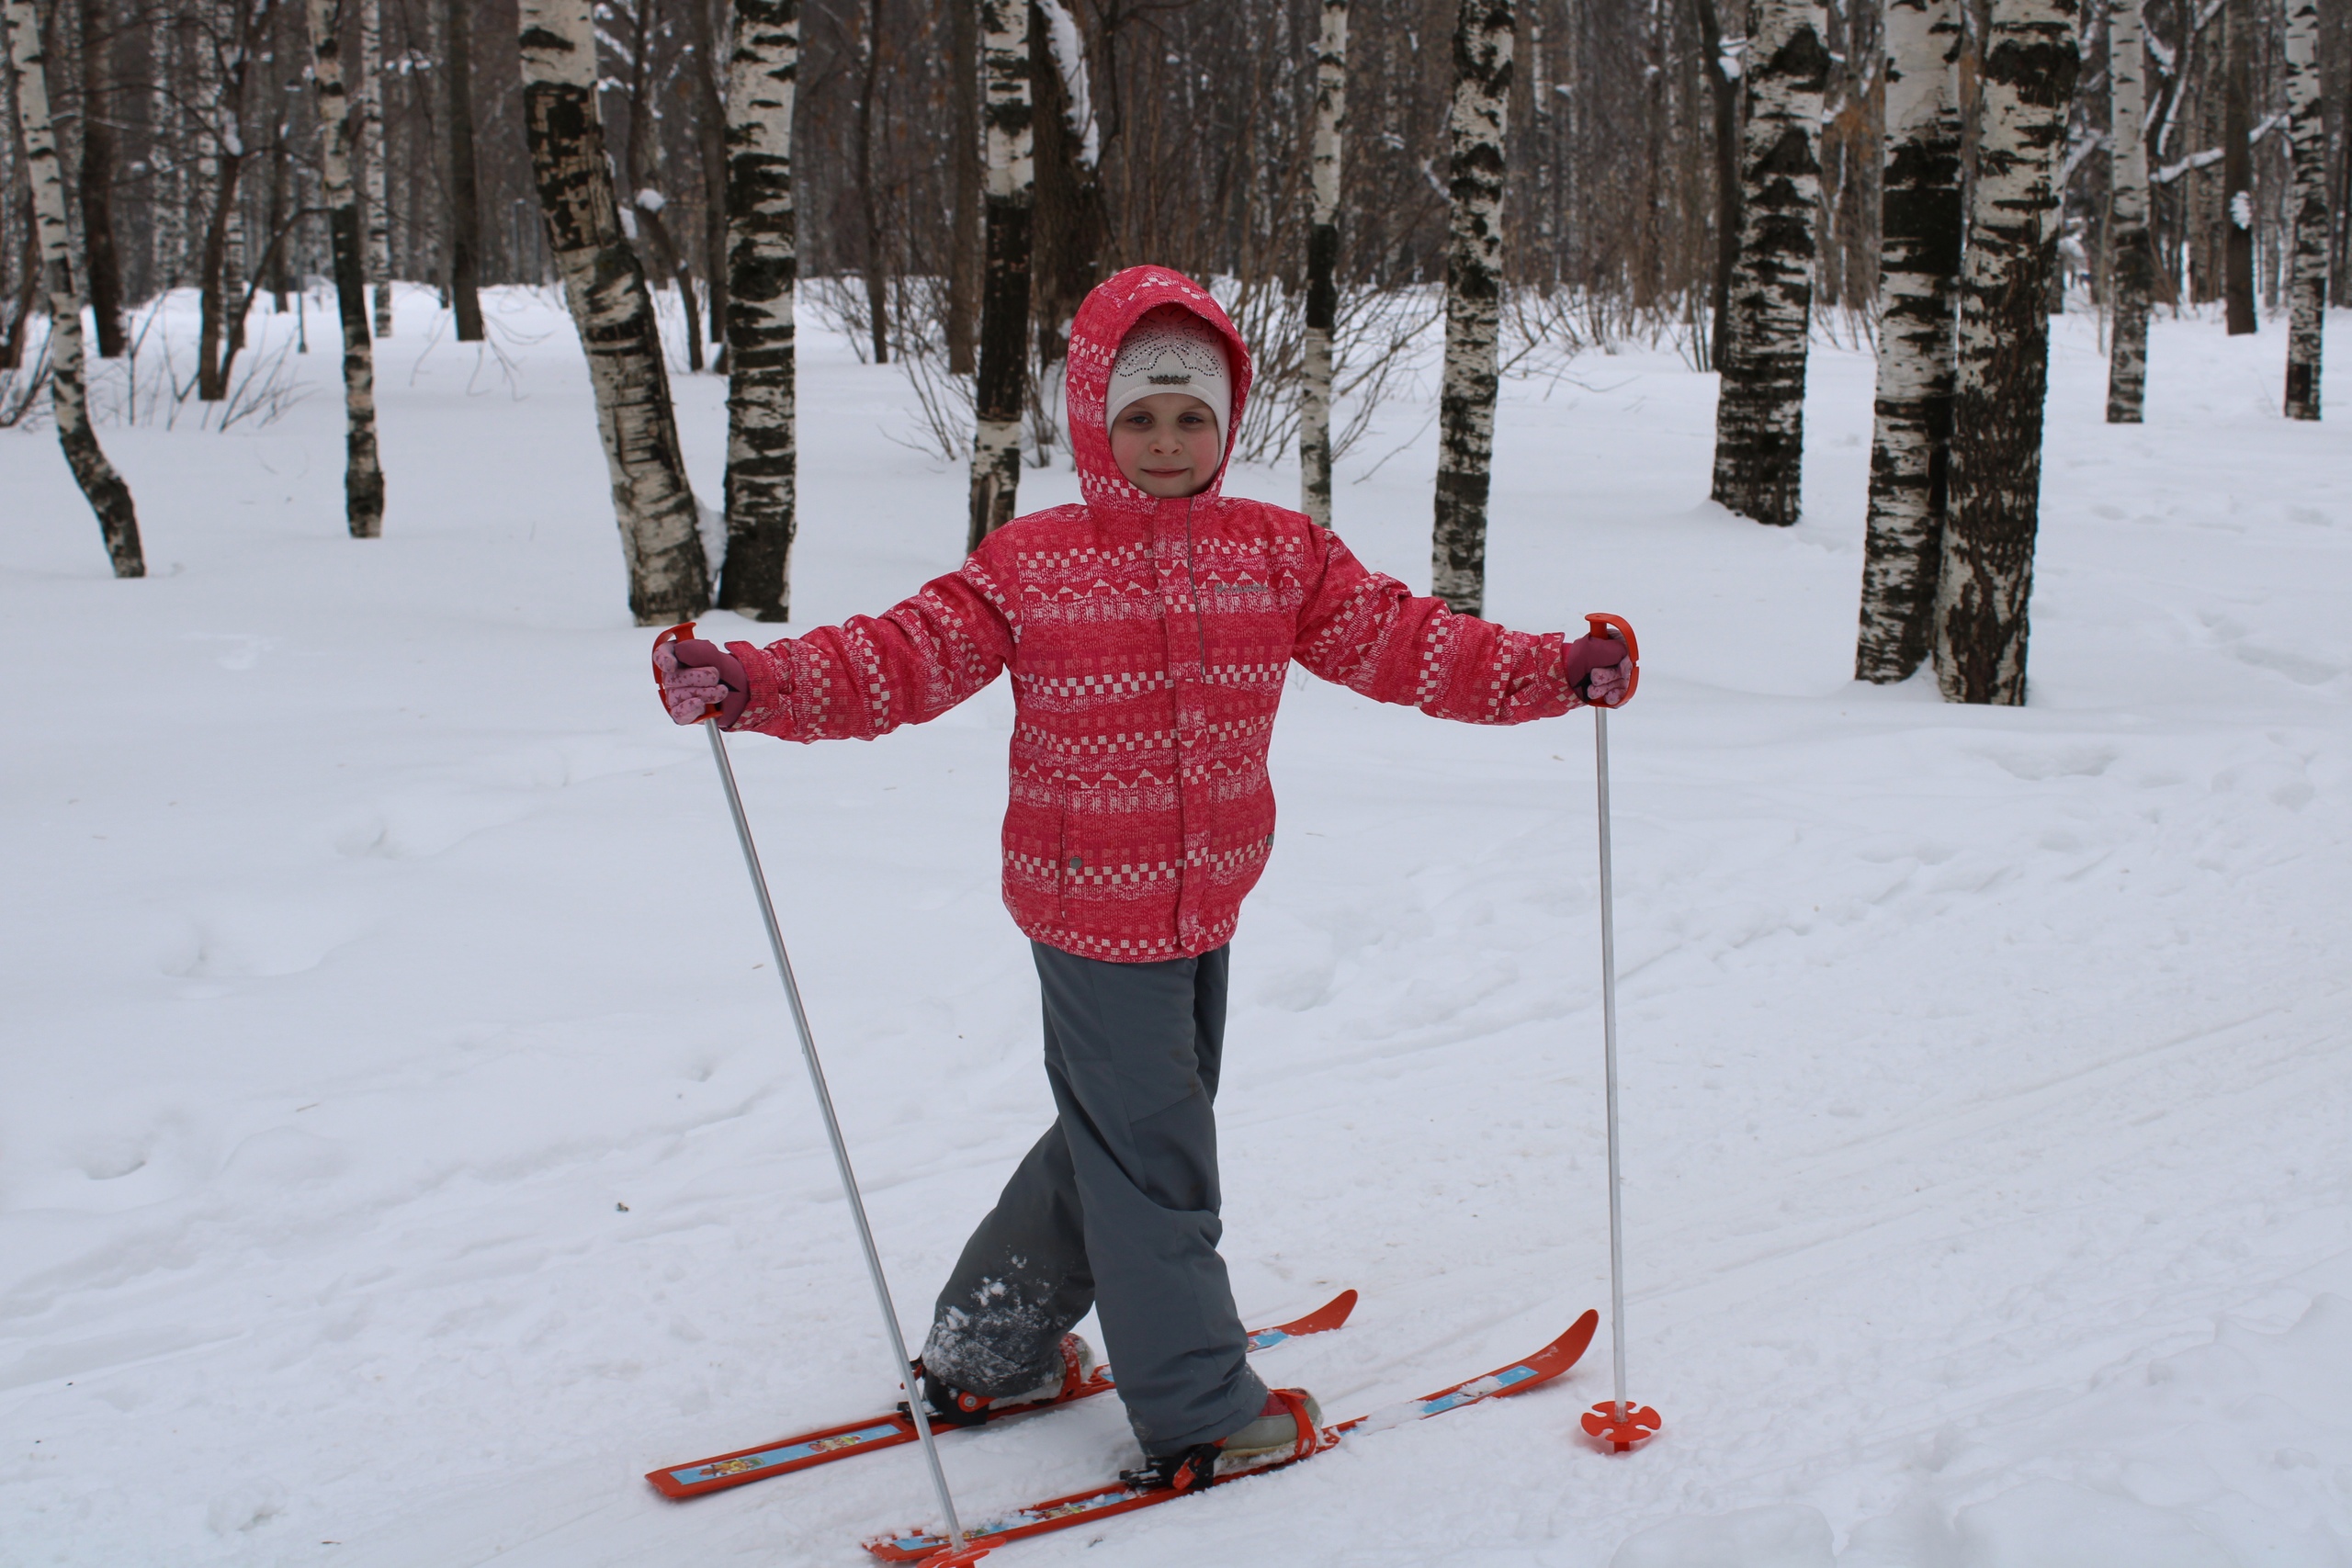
(904, 1367)
(1617, 1421)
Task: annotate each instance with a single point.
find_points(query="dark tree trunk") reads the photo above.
(1067, 228)
(2237, 171)
(465, 200)
(2027, 81)
(102, 258)
(1004, 295)
(710, 142)
(877, 283)
(1724, 98)
(963, 183)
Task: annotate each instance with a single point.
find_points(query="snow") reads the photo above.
(404, 1146)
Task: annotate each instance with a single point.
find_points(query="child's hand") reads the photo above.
(1599, 670)
(695, 674)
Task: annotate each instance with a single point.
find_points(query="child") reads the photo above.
(1148, 630)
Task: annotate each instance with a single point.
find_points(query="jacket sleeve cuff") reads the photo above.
(770, 705)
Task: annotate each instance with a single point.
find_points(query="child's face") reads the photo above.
(1167, 445)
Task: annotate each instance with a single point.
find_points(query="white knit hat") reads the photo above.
(1168, 351)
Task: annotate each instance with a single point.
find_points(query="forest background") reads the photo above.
(190, 145)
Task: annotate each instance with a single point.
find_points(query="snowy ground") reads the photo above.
(403, 1147)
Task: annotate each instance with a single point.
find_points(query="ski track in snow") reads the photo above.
(404, 1147)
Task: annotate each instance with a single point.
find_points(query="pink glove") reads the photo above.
(1599, 670)
(695, 674)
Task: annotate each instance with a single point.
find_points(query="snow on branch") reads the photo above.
(1069, 58)
(2213, 155)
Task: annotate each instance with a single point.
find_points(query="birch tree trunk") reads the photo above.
(763, 268)
(108, 495)
(668, 576)
(1759, 412)
(710, 142)
(2307, 145)
(2027, 81)
(1483, 36)
(1322, 264)
(373, 160)
(964, 140)
(2238, 169)
(1918, 269)
(1004, 283)
(2130, 247)
(363, 477)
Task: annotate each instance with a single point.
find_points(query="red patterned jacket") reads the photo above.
(1148, 641)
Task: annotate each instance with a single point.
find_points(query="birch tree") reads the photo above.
(363, 475)
(1004, 281)
(109, 497)
(1759, 411)
(668, 576)
(1483, 36)
(763, 269)
(375, 157)
(2026, 82)
(1918, 268)
(1323, 261)
(2307, 269)
(2130, 247)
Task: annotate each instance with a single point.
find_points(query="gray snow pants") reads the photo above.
(1114, 1208)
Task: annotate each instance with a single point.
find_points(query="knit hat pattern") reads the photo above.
(1165, 352)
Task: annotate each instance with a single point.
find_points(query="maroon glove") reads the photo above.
(1599, 670)
(695, 674)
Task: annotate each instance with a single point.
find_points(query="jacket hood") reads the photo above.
(1116, 305)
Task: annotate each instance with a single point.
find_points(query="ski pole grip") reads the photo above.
(678, 633)
(1603, 624)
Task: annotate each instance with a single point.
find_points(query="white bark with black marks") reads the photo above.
(2132, 250)
(668, 576)
(372, 159)
(2030, 60)
(1004, 283)
(1759, 411)
(363, 474)
(1483, 37)
(1322, 263)
(1918, 272)
(2307, 270)
(109, 498)
(763, 273)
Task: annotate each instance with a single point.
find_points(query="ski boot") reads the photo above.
(1288, 1427)
(961, 1407)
